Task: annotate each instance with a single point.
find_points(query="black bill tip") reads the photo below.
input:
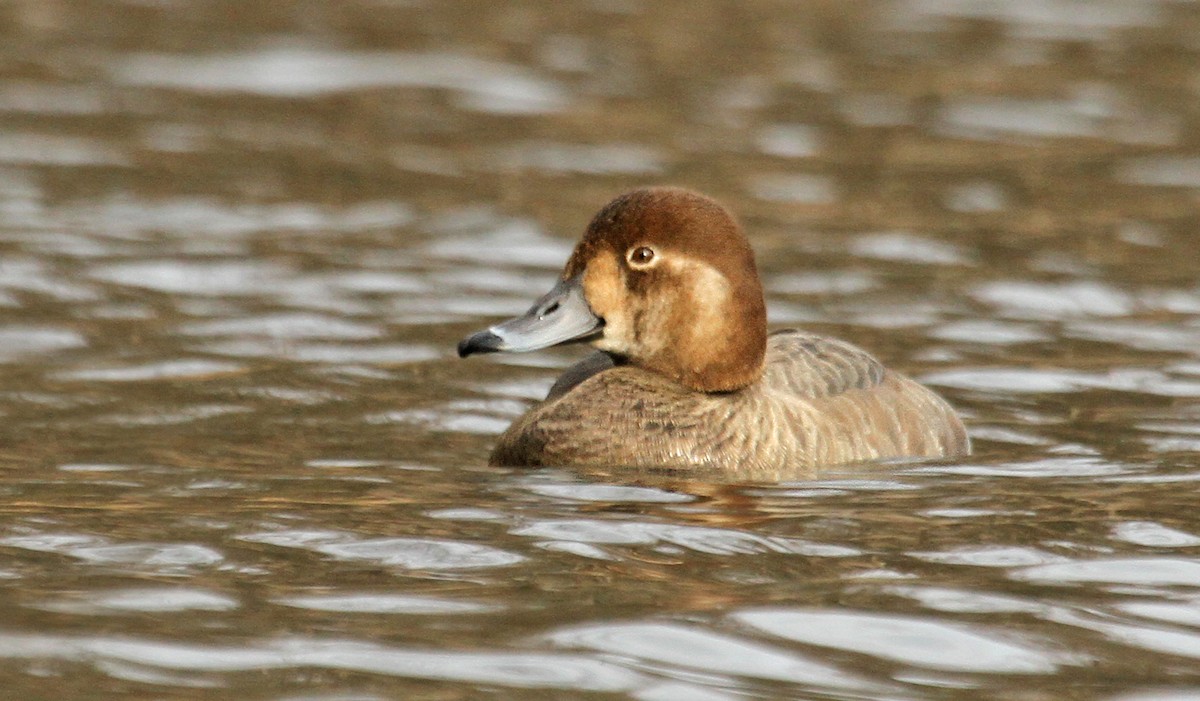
(482, 342)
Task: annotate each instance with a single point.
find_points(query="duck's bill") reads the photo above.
(561, 316)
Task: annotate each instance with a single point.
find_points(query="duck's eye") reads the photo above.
(640, 256)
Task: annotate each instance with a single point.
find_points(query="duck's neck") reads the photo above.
(723, 349)
(726, 367)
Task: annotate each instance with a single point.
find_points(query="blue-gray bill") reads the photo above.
(560, 316)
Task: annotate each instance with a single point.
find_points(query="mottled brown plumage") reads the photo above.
(820, 402)
(664, 284)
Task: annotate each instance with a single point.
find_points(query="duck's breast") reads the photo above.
(616, 416)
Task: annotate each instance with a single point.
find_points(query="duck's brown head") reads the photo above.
(663, 278)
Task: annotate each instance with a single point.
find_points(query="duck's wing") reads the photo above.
(808, 365)
(843, 405)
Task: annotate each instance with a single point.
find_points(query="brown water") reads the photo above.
(238, 242)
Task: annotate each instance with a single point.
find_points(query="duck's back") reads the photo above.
(820, 401)
(831, 402)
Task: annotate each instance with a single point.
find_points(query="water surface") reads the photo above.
(239, 242)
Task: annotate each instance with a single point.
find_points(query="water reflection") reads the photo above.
(240, 460)
(909, 641)
(546, 670)
(411, 553)
(686, 652)
(306, 72)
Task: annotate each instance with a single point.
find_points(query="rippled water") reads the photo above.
(239, 241)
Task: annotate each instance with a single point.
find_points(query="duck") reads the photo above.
(663, 284)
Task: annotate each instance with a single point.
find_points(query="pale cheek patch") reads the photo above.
(605, 293)
(708, 297)
(709, 288)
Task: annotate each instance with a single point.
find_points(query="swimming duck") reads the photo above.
(664, 285)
